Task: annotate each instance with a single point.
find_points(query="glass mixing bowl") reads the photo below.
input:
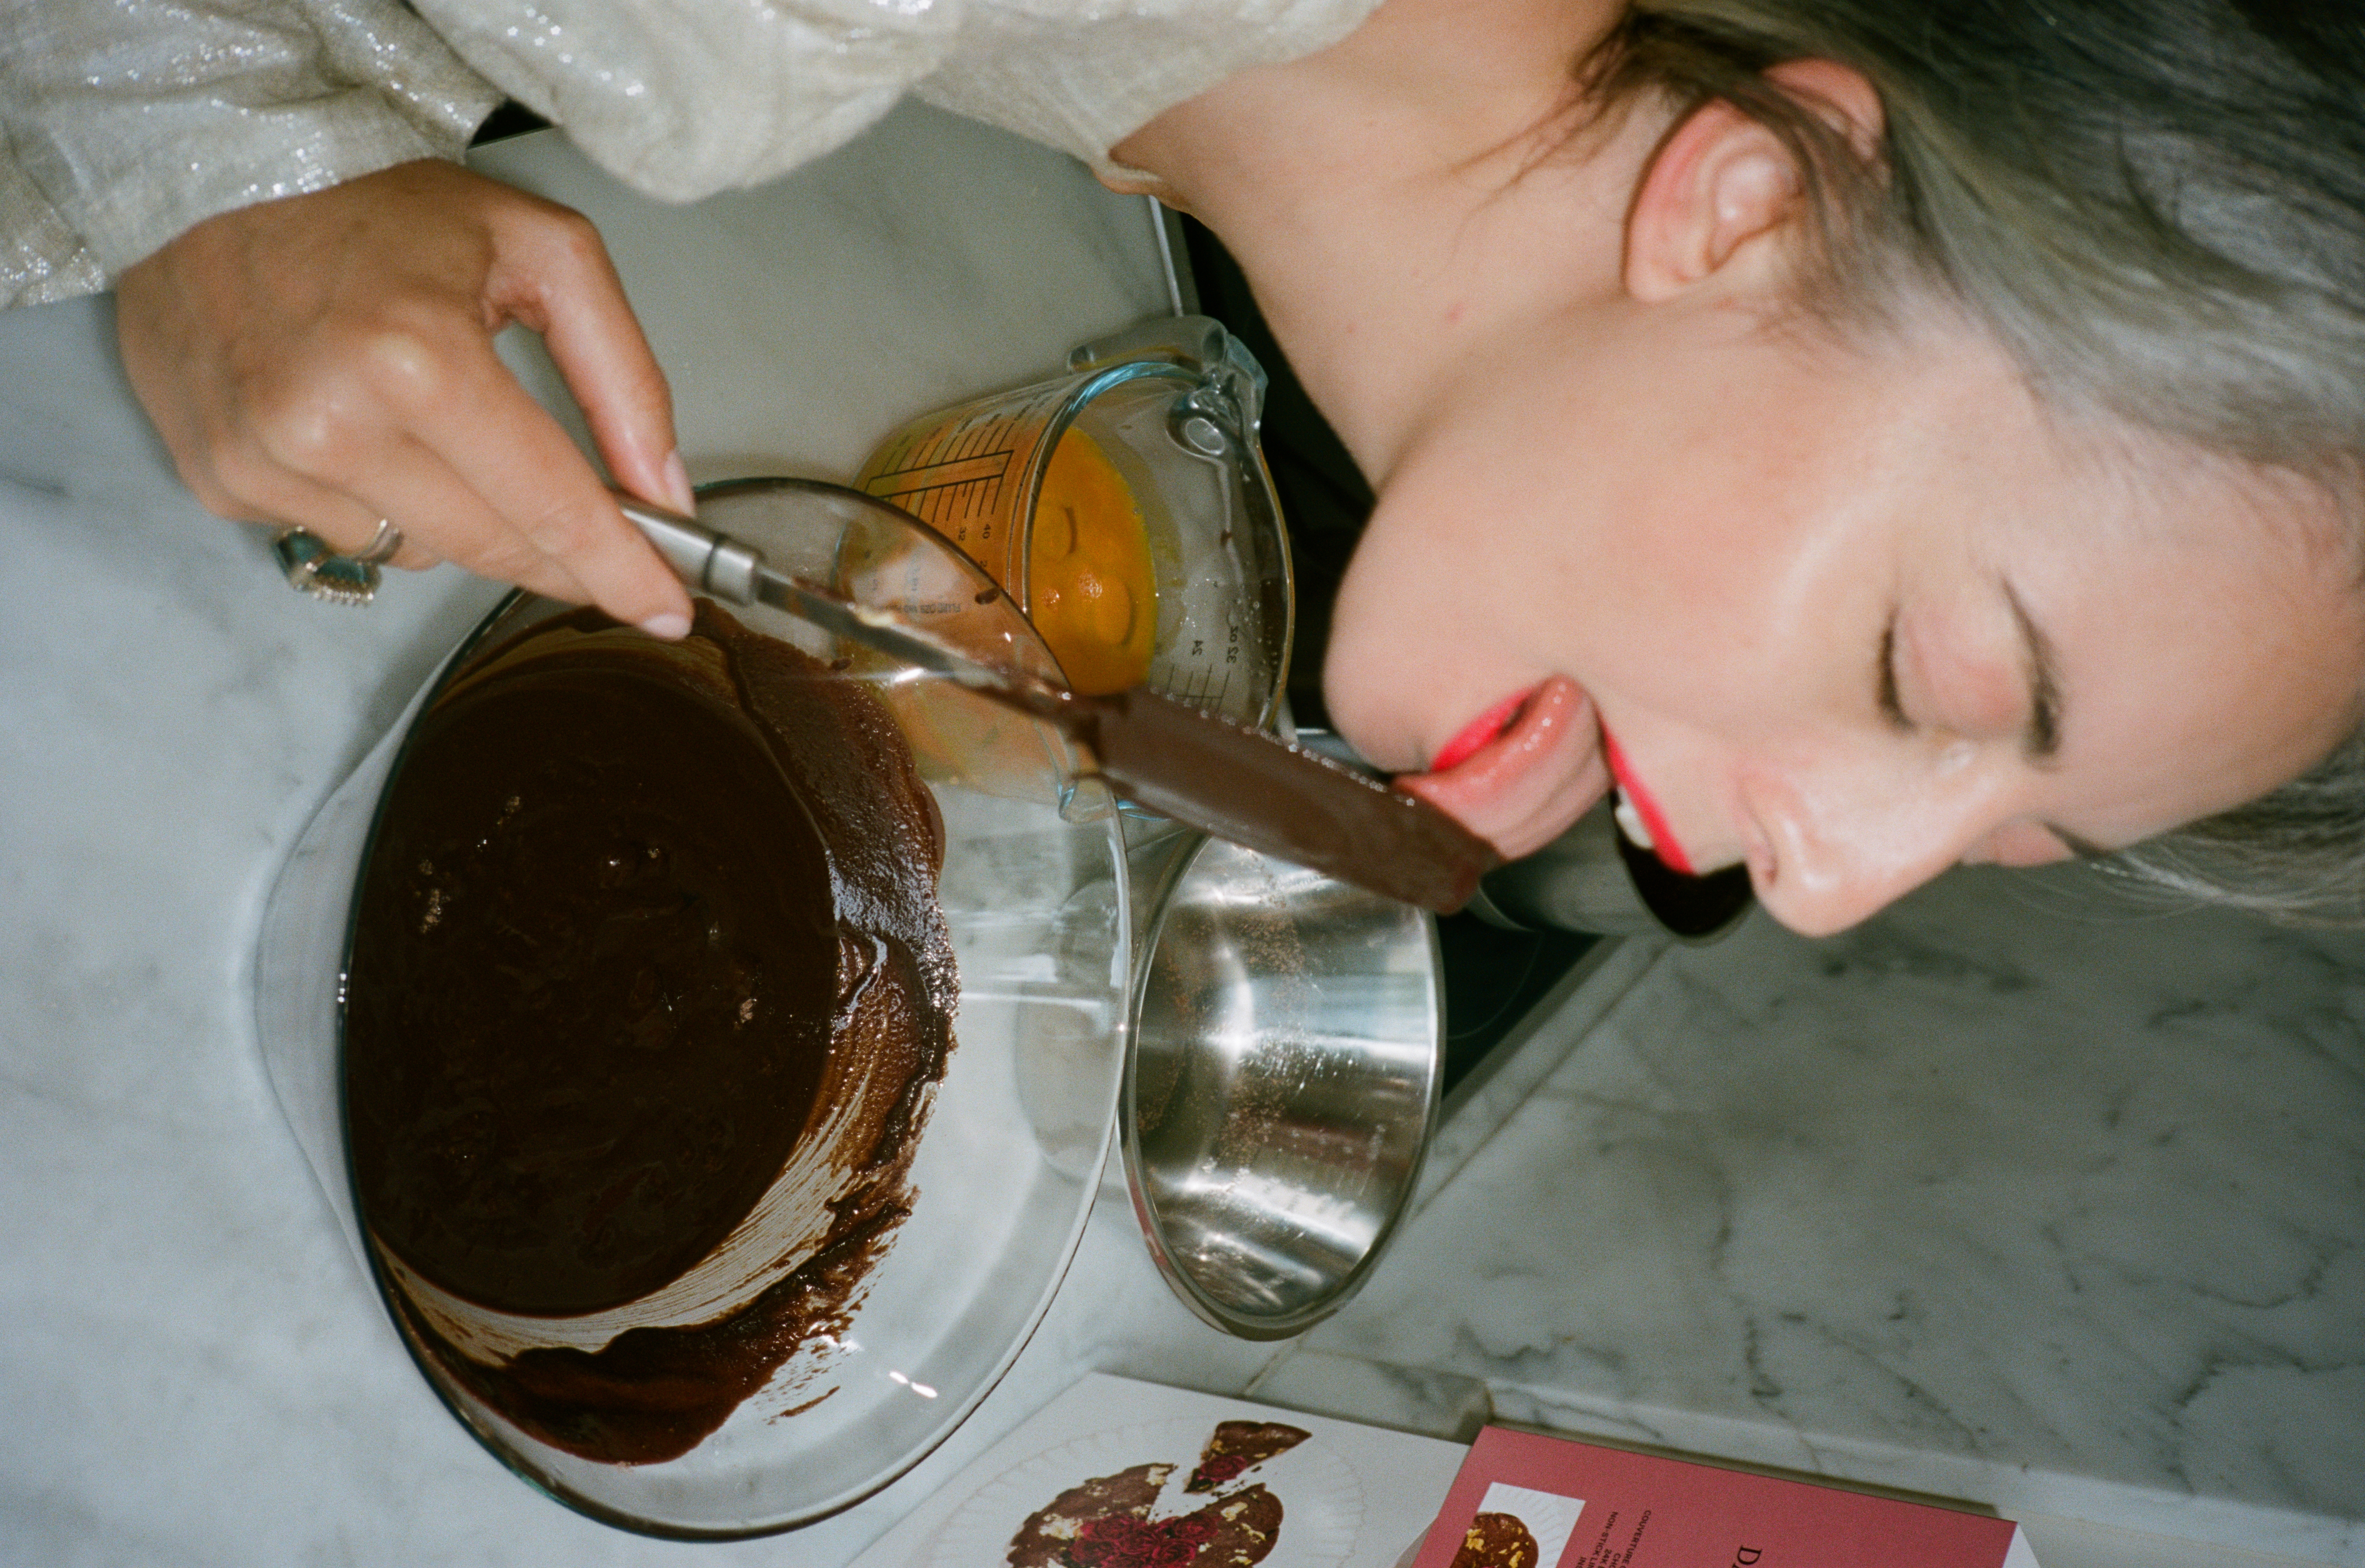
(1034, 893)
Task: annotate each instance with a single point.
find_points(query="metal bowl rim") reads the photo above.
(1214, 1313)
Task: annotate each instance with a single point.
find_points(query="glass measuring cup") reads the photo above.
(1163, 416)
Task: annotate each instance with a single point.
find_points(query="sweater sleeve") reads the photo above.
(682, 98)
(127, 122)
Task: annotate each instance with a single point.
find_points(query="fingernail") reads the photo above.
(671, 626)
(676, 475)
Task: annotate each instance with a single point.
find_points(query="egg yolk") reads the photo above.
(1089, 587)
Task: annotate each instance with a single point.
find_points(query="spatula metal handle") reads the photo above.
(704, 560)
(1202, 770)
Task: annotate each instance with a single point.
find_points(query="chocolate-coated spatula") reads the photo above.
(1204, 771)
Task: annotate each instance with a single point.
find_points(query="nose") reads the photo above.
(1838, 849)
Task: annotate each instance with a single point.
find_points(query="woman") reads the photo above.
(1874, 435)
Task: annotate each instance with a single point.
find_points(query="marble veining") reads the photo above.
(193, 1369)
(2056, 1209)
(1997, 1198)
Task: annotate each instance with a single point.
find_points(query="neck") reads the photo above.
(1398, 202)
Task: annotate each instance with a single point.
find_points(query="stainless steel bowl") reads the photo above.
(1281, 1085)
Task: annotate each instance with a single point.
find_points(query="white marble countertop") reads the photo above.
(1988, 1200)
(2009, 1195)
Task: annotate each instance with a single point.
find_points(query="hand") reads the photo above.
(326, 361)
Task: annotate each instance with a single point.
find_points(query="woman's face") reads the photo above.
(1845, 615)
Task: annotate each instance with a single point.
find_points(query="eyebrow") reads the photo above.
(2040, 737)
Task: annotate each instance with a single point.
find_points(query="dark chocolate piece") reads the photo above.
(1106, 1523)
(1278, 800)
(1045, 1539)
(1237, 1445)
(1496, 1540)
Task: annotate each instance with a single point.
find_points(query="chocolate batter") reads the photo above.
(630, 910)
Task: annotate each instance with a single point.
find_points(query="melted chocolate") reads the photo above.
(632, 910)
(652, 1395)
(1275, 798)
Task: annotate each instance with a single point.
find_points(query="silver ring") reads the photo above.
(382, 546)
(311, 566)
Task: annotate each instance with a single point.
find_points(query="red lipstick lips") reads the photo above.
(1655, 822)
(1478, 732)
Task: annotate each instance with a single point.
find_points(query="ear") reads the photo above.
(1723, 195)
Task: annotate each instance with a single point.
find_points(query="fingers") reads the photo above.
(559, 280)
(412, 475)
(555, 513)
(326, 361)
(347, 524)
(437, 438)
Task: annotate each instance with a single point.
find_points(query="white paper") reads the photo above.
(1357, 1496)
